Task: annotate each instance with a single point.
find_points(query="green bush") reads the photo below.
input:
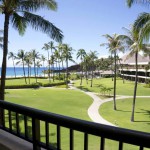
(22, 86)
(74, 76)
(53, 84)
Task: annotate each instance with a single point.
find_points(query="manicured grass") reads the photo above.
(122, 89)
(61, 101)
(121, 117)
(21, 81)
(65, 102)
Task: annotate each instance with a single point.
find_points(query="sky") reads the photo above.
(83, 22)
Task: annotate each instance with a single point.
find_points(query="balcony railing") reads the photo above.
(13, 113)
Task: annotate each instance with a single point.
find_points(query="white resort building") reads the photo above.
(127, 69)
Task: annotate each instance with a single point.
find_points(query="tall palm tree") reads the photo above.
(35, 55)
(12, 56)
(38, 64)
(135, 46)
(81, 53)
(28, 61)
(67, 54)
(21, 14)
(46, 47)
(93, 57)
(21, 57)
(1, 39)
(142, 23)
(114, 44)
(52, 47)
(43, 58)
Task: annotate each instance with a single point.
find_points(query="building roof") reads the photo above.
(130, 60)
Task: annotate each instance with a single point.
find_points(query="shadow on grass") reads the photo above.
(123, 110)
(83, 88)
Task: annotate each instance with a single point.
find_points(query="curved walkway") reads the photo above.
(93, 110)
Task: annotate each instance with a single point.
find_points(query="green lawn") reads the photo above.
(21, 81)
(70, 103)
(122, 116)
(122, 89)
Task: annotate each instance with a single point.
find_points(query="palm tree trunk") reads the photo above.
(14, 68)
(66, 73)
(4, 65)
(114, 97)
(29, 73)
(48, 67)
(59, 70)
(35, 72)
(92, 78)
(24, 72)
(135, 86)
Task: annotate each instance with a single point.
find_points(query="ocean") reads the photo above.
(19, 71)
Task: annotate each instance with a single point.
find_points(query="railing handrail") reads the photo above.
(110, 132)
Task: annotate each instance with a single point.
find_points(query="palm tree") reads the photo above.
(35, 55)
(92, 56)
(1, 39)
(21, 57)
(46, 47)
(12, 56)
(20, 14)
(43, 58)
(114, 44)
(135, 46)
(81, 53)
(28, 61)
(67, 54)
(142, 23)
(38, 64)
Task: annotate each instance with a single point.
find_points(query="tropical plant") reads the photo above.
(21, 14)
(21, 57)
(38, 65)
(12, 56)
(67, 54)
(115, 44)
(1, 39)
(28, 61)
(135, 46)
(93, 57)
(35, 55)
(142, 23)
(43, 59)
(46, 47)
(81, 53)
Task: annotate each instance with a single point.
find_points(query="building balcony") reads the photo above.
(12, 113)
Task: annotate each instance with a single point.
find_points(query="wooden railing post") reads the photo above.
(36, 133)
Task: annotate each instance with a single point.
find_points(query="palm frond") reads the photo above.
(35, 5)
(19, 23)
(39, 23)
(131, 2)
(141, 20)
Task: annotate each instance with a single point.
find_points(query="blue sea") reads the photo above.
(19, 71)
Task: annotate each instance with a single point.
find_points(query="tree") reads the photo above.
(12, 56)
(115, 43)
(35, 55)
(142, 23)
(81, 53)
(135, 46)
(1, 39)
(21, 57)
(21, 14)
(28, 61)
(92, 56)
(46, 47)
(67, 54)
(43, 58)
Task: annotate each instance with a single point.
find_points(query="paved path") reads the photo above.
(93, 110)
